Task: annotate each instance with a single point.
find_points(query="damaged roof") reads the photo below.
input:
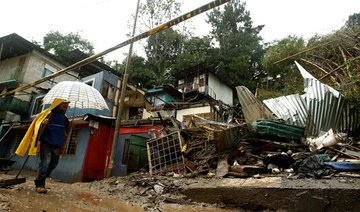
(14, 45)
(76, 55)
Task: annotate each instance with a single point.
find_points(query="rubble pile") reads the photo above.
(248, 153)
(295, 136)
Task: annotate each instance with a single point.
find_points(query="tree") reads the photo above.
(193, 51)
(156, 12)
(240, 50)
(353, 21)
(59, 43)
(162, 48)
(286, 76)
(139, 74)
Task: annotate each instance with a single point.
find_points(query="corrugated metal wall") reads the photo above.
(319, 109)
(292, 109)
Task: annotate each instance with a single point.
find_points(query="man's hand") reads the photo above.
(46, 121)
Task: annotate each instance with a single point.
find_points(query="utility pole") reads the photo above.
(121, 103)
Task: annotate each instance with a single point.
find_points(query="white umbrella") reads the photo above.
(79, 94)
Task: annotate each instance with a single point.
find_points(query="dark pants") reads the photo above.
(49, 158)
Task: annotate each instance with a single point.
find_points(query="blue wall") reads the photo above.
(118, 169)
(98, 79)
(69, 169)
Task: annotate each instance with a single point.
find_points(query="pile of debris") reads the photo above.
(295, 136)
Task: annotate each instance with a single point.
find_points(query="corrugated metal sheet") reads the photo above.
(252, 108)
(324, 104)
(350, 120)
(292, 109)
(324, 107)
(319, 109)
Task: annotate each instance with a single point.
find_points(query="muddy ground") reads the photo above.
(139, 192)
(142, 192)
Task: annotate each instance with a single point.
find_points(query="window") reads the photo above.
(72, 143)
(90, 82)
(125, 157)
(37, 106)
(46, 72)
(108, 91)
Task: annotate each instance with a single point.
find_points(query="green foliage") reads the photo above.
(353, 21)
(268, 94)
(161, 77)
(139, 74)
(156, 12)
(162, 48)
(59, 43)
(279, 50)
(287, 79)
(193, 51)
(239, 41)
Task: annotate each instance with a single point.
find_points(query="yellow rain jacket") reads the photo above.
(32, 133)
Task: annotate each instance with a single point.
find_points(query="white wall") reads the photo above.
(33, 69)
(191, 111)
(8, 68)
(222, 91)
(164, 114)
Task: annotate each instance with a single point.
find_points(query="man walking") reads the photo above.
(49, 128)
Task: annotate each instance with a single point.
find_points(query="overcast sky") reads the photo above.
(105, 22)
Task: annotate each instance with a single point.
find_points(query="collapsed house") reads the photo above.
(270, 140)
(199, 92)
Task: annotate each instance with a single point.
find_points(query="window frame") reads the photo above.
(66, 152)
(106, 93)
(45, 74)
(92, 81)
(42, 107)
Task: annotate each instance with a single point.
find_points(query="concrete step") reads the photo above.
(280, 193)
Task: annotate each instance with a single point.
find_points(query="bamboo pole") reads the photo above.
(302, 52)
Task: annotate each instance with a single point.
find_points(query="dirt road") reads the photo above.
(112, 194)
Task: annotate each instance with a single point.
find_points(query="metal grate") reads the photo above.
(164, 154)
(72, 143)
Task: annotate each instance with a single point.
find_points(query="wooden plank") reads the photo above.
(149, 158)
(9, 182)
